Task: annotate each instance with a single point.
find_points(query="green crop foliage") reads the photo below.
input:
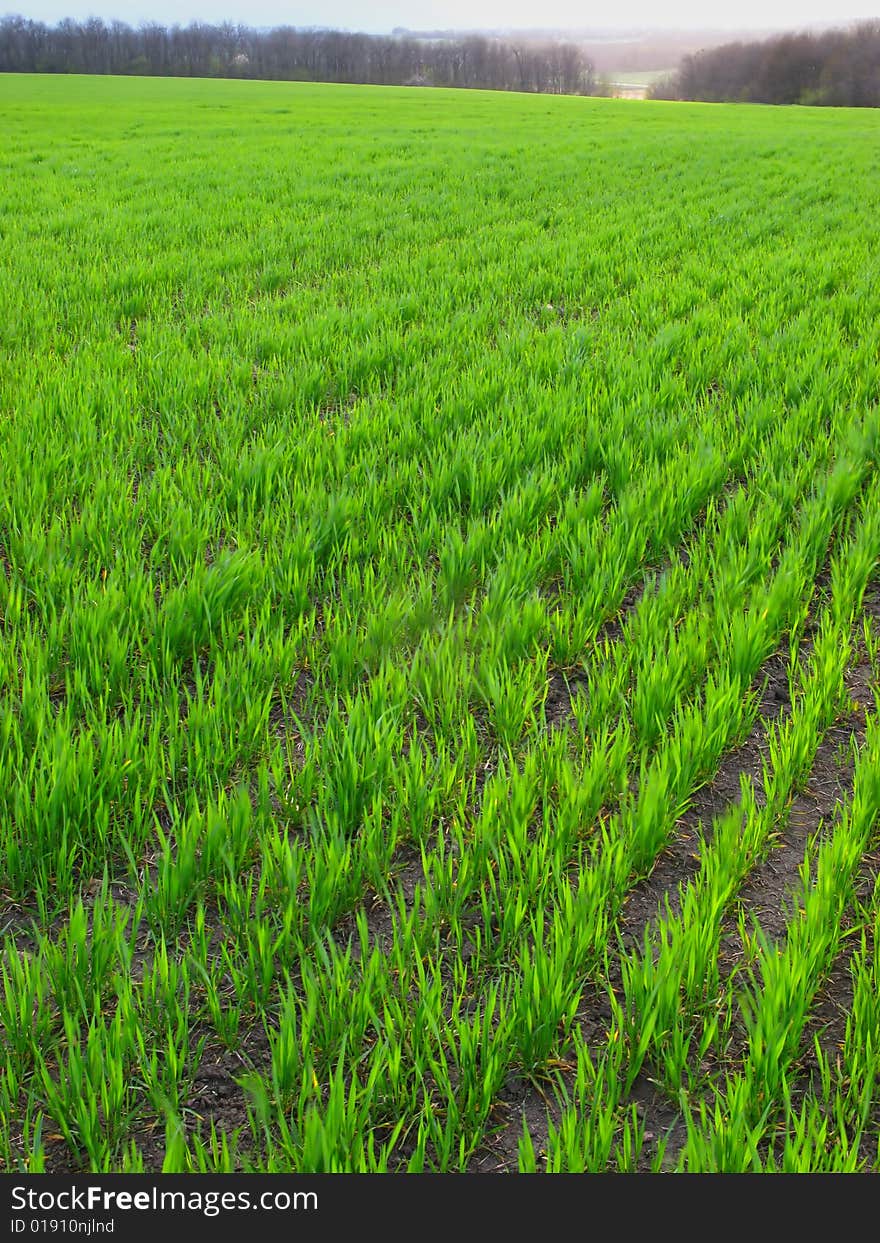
(410, 503)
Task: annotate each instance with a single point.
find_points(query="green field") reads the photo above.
(439, 631)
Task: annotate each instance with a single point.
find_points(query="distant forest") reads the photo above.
(836, 67)
(227, 51)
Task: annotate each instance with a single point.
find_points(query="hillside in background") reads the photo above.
(611, 51)
(552, 61)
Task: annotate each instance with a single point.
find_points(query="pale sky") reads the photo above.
(383, 15)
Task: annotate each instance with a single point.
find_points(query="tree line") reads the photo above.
(230, 51)
(835, 67)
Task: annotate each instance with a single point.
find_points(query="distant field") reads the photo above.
(439, 631)
(644, 77)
